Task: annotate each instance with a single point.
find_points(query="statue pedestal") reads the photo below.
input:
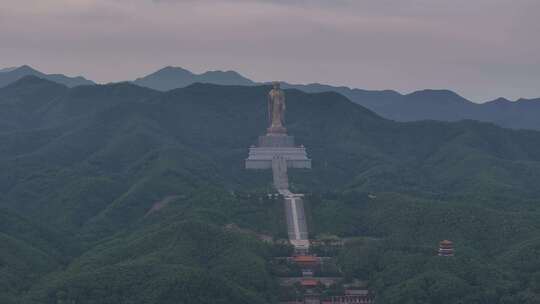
(281, 140)
(276, 131)
(277, 146)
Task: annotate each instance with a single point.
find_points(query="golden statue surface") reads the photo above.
(276, 111)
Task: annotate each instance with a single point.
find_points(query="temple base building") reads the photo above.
(272, 146)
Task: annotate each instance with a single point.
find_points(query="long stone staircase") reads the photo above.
(294, 207)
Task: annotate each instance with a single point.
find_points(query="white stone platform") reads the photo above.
(261, 157)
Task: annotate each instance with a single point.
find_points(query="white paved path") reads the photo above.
(294, 206)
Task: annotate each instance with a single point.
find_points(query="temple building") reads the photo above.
(446, 248)
(353, 296)
(306, 261)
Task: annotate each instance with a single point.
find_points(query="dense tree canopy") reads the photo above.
(116, 193)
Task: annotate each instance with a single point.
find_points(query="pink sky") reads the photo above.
(482, 49)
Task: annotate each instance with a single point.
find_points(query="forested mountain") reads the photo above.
(118, 193)
(10, 75)
(441, 105)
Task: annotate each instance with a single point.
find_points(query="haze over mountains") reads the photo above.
(10, 75)
(170, 78)
(443, 105)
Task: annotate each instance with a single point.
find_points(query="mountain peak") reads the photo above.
(435, 92)
(500, 100)
(31, 80)
(169, 78)
(26, 67)
(224, 78)
(228, 72)
(26, 70)
(172, 70)
(437, 96)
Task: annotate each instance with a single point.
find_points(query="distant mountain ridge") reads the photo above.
(7, 69)
(443, 105)
(169, 78)
(10, 75)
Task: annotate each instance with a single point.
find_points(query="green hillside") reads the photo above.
(133, 193)
(28, 251)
